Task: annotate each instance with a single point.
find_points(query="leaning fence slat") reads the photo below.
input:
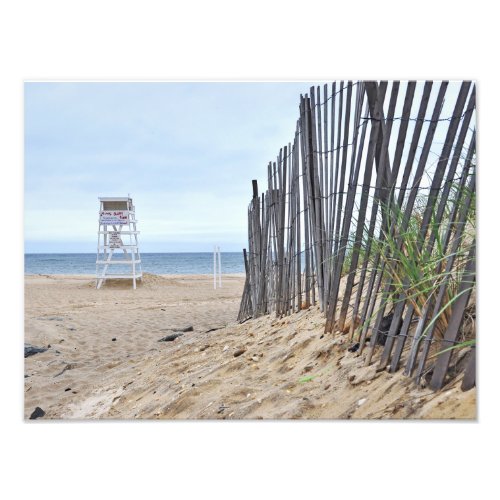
(324, 187)
(318, 233)
(298, 246)
(307, 247)
(318, 153)
(337, 167)
(331, 190)
(469, 380)
(340, 188)
(464, 292)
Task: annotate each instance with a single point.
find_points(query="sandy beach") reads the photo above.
(105, 361)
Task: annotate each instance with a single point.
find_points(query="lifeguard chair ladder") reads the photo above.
(117, 220)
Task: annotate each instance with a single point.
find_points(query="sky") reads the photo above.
(186, 153)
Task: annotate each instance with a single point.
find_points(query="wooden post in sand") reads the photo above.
(217, 261)
(215, 267)
(220, 269)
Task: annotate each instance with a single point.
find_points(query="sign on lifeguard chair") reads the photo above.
(116, 223)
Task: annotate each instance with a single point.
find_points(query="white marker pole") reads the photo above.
(215, 268)
(220, 270)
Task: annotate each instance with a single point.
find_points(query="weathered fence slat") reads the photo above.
(316, 200)
(469, 380)
(464, 292)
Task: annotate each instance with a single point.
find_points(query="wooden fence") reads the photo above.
(370, 214)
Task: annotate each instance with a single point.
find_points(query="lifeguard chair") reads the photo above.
(117, 222)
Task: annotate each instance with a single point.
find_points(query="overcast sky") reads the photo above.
(186, 152)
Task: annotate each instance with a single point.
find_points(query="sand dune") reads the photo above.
(262, 369)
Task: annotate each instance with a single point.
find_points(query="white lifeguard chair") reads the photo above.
(116, 221)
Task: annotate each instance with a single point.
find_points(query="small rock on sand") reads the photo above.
(169, 338)
(30, 350)
(238, 352)
(38, 413)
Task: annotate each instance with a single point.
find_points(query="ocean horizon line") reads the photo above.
(152, 262)
(94, 253)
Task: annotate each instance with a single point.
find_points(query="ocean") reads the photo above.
(155, 263)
